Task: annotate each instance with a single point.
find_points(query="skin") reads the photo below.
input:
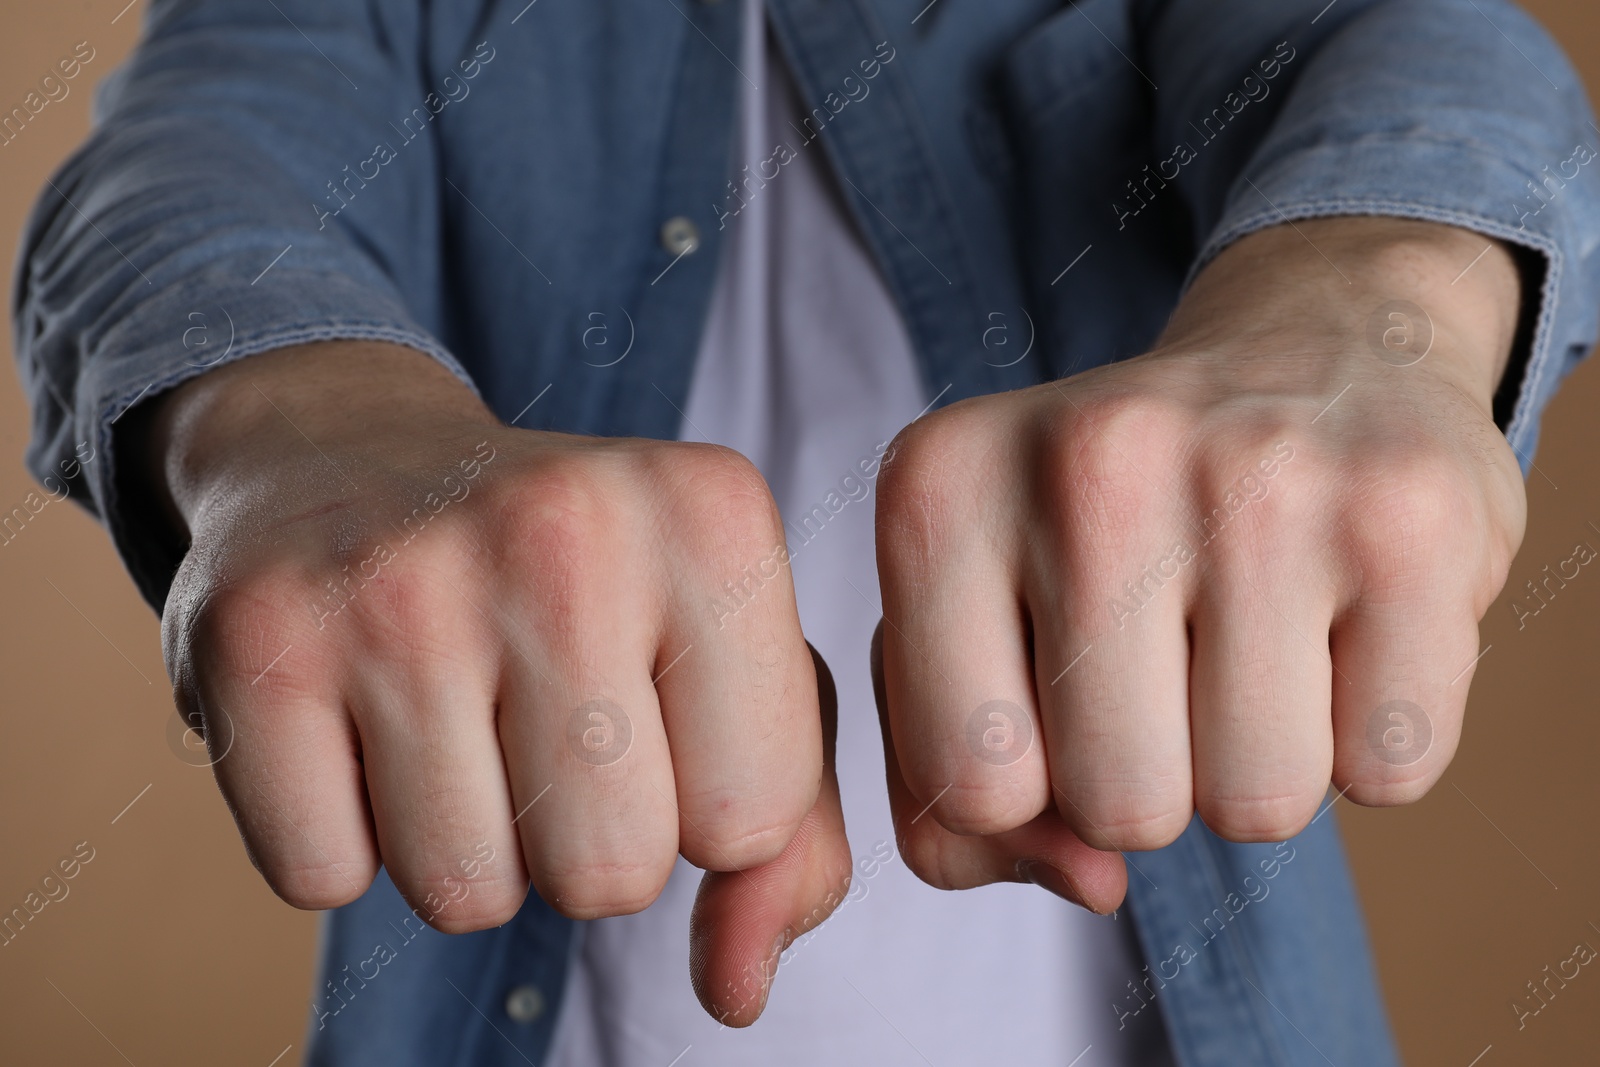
(415, 724)
(1355, 574)
(413, 718)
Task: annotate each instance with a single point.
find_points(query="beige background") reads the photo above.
(169, 949)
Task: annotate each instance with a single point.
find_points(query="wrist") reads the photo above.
(1446, 298)
(273, 413)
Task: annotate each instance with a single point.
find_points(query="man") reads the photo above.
(448, 598)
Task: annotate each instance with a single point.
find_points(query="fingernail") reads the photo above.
(1047, 877)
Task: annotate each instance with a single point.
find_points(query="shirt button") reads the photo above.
(524, 1004)
(679, 236)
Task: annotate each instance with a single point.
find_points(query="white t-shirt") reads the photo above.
(806, 368)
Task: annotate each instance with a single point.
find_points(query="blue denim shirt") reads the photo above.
(486, 181)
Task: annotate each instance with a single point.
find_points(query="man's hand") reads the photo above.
(484, 655)
(1213, 578)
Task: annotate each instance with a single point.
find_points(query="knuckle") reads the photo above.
(1145, 833)
(1097, 464)
(405, 607)
(1131, 421)
(1130, 824)
(705, 472)
(726, 502)
(1245, 507)
(595, 889)
(923, 483)
(238, 627)
(1259, 818)
(246, 604)
(556, 516)
(1389, 794)
(726, 829)
(557, 532)
(318, 885)
(1406, 515)
(455, 905)
(972, 808)
(1386, 759)
(1388, 787)
(737, 843)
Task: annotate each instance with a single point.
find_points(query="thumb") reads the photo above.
(743, 920)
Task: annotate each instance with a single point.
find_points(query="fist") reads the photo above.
(488, 657)
(1209, 580)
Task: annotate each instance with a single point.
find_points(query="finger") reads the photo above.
(738, 696)
(580, 728)
(286, 756)
(1044, 850)
(1260, 694)
(743, 920)
(1112, 659)
(962, 713)
(1406, 641)
(1399, 697)
(437, 782)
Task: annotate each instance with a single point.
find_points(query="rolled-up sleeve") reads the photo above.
(245, 188)
(1462, 112)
